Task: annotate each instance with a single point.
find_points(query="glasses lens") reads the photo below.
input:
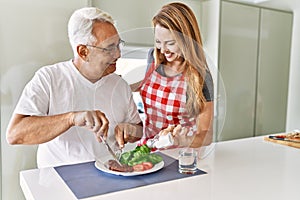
(111, 50)
(121, 44)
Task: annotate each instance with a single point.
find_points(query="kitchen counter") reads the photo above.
(240, 169)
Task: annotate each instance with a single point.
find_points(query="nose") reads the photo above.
(163, 48)
(117, 53)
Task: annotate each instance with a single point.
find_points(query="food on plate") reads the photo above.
(130, 156)
(115, 166)
(139, 159)
(139, 155)
(142, 166)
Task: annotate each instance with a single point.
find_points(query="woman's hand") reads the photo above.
(181, 135)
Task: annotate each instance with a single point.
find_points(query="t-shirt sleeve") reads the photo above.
(35, 96)
(208, 87)
(133, 114)
(150, 58)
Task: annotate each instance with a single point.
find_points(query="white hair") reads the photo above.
(81, 24)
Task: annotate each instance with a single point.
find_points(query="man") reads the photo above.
(65, 103)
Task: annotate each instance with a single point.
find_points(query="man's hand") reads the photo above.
(94, 121)
(126, 132)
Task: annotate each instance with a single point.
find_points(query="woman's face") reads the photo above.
(167, 44)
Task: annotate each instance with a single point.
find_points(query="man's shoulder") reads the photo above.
(117, 80)
(115, 77)
(56, 68)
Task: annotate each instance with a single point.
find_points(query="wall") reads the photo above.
(210, 15)
(293, 113)
(33, 34)
(133, 17)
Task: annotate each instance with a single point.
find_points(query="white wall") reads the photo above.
(33, 33)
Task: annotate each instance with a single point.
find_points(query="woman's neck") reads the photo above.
(173, 68)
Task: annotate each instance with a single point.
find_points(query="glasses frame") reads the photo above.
(109, 50)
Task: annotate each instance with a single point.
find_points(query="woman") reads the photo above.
(177, 90)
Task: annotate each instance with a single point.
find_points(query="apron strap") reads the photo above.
(150, 68)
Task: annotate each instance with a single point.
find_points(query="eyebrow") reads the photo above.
(110, 45)
(170, 41)
(113, 44)
(166, 40)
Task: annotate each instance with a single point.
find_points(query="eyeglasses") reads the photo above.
(111, 49)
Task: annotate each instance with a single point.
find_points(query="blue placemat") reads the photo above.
(85, 180)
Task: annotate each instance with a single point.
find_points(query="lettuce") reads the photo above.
(139, 155)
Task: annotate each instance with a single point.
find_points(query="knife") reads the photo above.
(282, 139)
(110, 150)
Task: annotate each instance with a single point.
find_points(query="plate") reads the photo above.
(99, 165)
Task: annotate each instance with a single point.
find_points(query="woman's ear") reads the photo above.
(83, 51)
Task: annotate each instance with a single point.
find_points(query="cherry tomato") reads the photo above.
(138, 167)
(147, 165)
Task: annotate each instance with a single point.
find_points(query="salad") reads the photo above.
(140, 158)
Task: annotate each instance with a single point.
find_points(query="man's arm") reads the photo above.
(25, 129)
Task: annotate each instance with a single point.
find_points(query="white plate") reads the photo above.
(99, 165)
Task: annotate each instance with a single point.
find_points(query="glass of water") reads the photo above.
(187, 161)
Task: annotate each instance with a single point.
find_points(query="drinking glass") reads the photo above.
(187, 161)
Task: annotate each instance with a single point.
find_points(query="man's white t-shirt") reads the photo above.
(60, 88)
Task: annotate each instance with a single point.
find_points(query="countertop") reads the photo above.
(240, 169)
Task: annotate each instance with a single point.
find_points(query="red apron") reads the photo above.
(164, 101)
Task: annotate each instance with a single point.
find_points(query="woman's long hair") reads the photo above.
(181, 21)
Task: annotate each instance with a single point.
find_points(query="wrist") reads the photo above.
(185, 141)
(138, 133)
(71, 119)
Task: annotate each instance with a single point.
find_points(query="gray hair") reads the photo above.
(81, 24)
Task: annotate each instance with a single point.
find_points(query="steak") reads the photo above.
(114, 166)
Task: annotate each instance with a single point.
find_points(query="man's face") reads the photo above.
(104, 53)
